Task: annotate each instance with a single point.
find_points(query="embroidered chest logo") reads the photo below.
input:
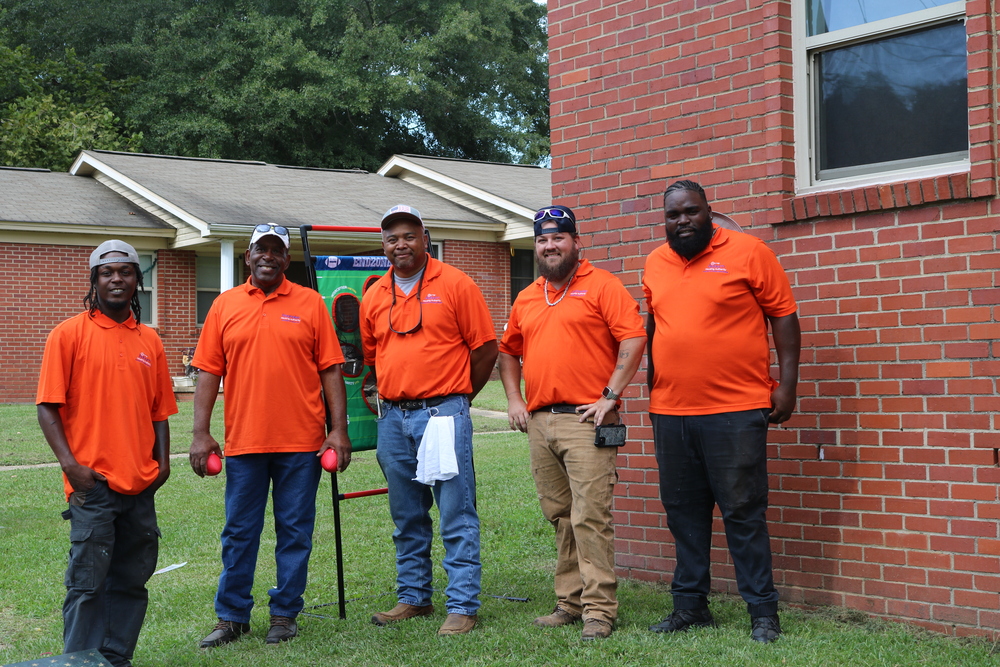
(578, 292)
(145, 360)
(716, 267)
(294, 319)
(430, 297)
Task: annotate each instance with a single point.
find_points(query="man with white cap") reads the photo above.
(275, 343)
(104, 395)
(426, 328)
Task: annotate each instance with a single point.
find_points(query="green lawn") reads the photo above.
(518, 560)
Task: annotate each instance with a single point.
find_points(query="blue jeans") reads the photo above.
(709, 459)
(399, 434)
(114, 543)
(248, 476)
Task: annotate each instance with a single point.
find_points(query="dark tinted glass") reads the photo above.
(522, 271)
(897, 98)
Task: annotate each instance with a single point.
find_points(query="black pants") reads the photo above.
(709, 459)
(115, 541)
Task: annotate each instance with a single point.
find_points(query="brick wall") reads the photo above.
(884, 485)
(45, 284)
(488, 264)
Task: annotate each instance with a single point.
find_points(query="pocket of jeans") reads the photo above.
(766, 413)
(80, 573)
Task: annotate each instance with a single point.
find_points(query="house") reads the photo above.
(860, 140)
(190, 220)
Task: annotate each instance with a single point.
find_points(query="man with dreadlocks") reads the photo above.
(104, 395)
(711, 293)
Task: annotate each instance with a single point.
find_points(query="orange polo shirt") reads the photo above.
(569, 350)
(710, 349)
(433, 361)
(111, 383)
(270, 350)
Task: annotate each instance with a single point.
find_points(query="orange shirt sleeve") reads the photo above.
(769, 282)
(474, 319)
(57, 366)
(209, 355)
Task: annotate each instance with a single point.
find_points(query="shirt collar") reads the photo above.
(284, 288)
(105, 322)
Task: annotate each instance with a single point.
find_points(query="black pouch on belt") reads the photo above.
(610, 435)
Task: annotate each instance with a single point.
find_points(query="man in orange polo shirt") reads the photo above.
(581, 338)
(711, 293)
(104, 395)
(275, 344)
(426, 328)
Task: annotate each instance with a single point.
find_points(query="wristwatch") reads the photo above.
(607, 393)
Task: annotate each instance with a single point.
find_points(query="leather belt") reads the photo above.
(420, 403)
(559, 408)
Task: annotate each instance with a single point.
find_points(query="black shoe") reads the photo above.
(682, 619)
(282, 629)
(765, 629)
(225, 632)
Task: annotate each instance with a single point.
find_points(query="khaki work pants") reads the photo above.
(575, 482)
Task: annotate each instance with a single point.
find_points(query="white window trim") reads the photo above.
(804, 103)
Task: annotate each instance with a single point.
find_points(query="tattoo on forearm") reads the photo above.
(620, 367)
(623, 354)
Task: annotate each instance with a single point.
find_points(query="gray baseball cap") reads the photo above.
(97, 257)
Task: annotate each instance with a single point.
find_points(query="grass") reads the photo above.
(518, 561)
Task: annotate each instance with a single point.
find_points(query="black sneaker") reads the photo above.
(682, 619)
(282, 629)
(225, 632)
(765, 629)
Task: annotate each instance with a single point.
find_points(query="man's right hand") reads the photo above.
(82, 478)
(517, 414)
(203, 445)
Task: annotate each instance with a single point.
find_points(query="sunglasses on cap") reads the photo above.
(265, 228)
(555, 213)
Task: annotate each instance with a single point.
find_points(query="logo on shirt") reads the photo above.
(716, 267)
(578, 292)
(431, 298)
(295, 319)
(143, 359)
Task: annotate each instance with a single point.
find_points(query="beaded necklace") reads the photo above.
(565, 290)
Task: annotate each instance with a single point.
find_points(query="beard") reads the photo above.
(560, 270)
(690, 246)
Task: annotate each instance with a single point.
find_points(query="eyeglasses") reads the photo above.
(552, 213)
(265, 228)
(420, 322)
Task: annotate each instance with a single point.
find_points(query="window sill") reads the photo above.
(886, 196)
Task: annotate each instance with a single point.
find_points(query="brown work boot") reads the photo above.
(596, 628)
(558, 618)
(224, 632)
(457, 624)
(282, 629)
(401, 612)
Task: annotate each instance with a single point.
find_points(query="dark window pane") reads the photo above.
(205, 300)
(522, 271)
(897, 98)
(829, 15)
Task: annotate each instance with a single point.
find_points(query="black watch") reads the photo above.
(607, 393)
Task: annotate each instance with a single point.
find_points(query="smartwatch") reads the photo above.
(607, 393)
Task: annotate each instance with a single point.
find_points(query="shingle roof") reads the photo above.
(37, 195)
(527, 185)
(236, 192)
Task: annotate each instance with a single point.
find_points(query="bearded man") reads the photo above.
(580, 337)
(711, 293)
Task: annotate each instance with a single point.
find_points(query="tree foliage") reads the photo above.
(52, 109)
(331, 83)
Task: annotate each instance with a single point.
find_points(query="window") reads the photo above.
(880, 86)
(147, 298)
(208, 280)
(522, 270)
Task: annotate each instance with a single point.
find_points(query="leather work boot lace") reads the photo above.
(225, 632)
(682, 619)
(401, 612)
(595, 628)
(458, 624)
(558, 618)
(765, 629)
(282, 629)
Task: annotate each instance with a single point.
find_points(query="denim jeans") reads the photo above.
(295, 477)
(576, 483)
(114, 544)
(709, 459)
(399, 434)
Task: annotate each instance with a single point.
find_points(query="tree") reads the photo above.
(326, 83)
(51, 109)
